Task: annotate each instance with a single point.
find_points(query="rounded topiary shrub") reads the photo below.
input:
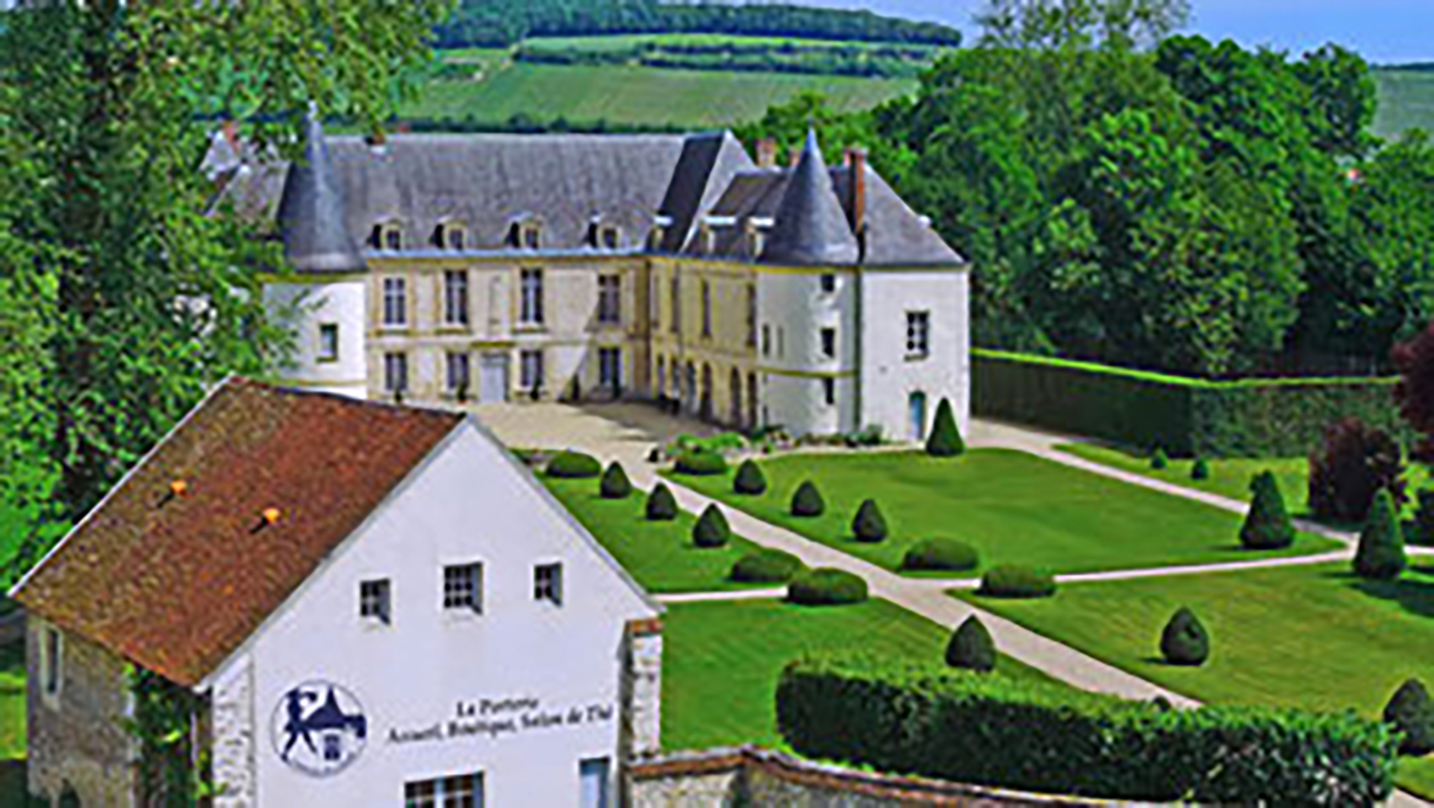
(947, 555)
(1267, 525)
(1381, 555)
(750, 480)
(700, 463)
(711, 529)
(1184, 641)
(972, 648)
(1411, 714)
(615, 484)
(945, 438)
(869, 525)
(807, 502)
(661, 505)
(767, 566)
(574, 466)
(1200, 471)
(1013, 581)
(826, 587)
(1159, 460)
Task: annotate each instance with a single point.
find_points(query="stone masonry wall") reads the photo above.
(233, 739)
(642, 689)
(725, 778)
(76, 738)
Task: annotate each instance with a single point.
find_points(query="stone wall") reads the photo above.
(725, 778)
(76, 738)
(232, 738)
(642, 690)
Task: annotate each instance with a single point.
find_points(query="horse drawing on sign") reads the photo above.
(331, 736)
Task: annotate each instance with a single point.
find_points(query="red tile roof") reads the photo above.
(176, 581)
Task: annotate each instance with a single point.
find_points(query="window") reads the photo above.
(453, 237)
(375, 600)
(532, 240)
(655, 303)
(766, 340)
(918, 333)
(328, 342)
(593, 775)
(531, 310)
(54, 662)
(463, 791)
(609, 299)
(610, 368)
(531, 370)
(455, 297)
(463, 587)
(548, 583)
(829, 346)
(395, 302)
(395, 372)
(828, 283)
(829, 391)
(388, 237)
(459, 377)
(675, 290)
(610, 238)
(603, 236)
(706, 309)
(752, 315)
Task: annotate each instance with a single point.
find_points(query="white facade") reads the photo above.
(521, 692)
(328, 324)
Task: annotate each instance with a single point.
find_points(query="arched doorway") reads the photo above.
(918, 416)
(736, 389)
(706, 407)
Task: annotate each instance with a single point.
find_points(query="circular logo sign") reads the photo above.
(319, 728)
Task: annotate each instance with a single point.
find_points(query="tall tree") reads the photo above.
(141, 295)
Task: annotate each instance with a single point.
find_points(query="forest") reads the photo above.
(500, 23)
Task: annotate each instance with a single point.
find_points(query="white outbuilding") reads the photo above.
(364, 604)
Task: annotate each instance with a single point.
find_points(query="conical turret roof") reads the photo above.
(312, 215)
(811, 227)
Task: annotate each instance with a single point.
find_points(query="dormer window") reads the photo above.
(525, 235)
(452, 236)
(658, 234)
(756, 239)
(388, 236)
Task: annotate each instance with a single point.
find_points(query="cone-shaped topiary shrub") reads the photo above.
(615, 484)
(750, 480)
(701, 463)
(661, 505)
(807, 501)
(945, 438)
(1411, 714)
(1159, 460)
(1201, 470)
(972, 648)
(869, 525)
(711, 529)
(1381, 544)
(1184, 641)
(940, 554)
(1267, 525)
(826, 587)
(573, 466)
(767, 566)
(1016, 582)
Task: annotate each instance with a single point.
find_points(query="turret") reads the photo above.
(324, 295)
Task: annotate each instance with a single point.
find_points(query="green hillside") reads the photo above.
(1406, 100)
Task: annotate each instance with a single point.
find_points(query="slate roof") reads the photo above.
(313, 216)
(811, 228)
(177, 583)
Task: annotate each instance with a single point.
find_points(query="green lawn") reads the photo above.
(1310, 637)
(637, 96)
(1406, 100)
(1229, 478)
(1014, 507)
(721, 661)
(12, 701)
(660, 555)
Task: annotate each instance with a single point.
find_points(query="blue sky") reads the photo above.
(1384, 31)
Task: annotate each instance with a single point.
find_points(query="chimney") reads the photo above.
(377, 139)
(767, 152)
(856, 205)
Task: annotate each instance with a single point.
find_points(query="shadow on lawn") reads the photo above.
(1414, 596)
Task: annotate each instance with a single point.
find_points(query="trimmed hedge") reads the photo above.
(1380, 555)
(1188, 417)
(1267, 524)
(701, 464)
(766, 566)
(1410, 713)
(945, 439)
(661, 504)
(1016, 582)
(869, 525)
(750, 481)
(826, 587)
(574, 466)
(615, 484)
(944, 555)
(1185, 641)
(928, 720)
(807, 502)
(711, 530)
(971, 647)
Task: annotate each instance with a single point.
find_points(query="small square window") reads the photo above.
(918, 334)
(463, 587)
(375, 600)
(329, 342)
(548, 583)
(829, 342)
(828, 283)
